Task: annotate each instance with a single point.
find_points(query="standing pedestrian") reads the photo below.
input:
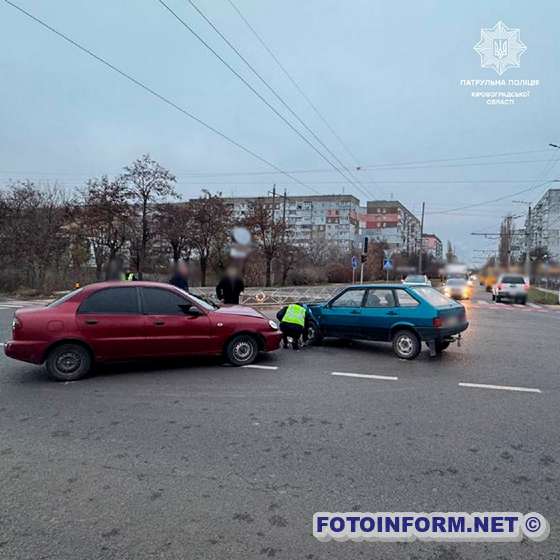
(180, 277)
(230, 286)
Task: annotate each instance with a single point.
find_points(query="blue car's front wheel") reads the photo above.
(406, 344)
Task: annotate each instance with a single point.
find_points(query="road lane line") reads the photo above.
(482, 302)
(256, 366)
(365, 376)
(534, 305)
(500, 387)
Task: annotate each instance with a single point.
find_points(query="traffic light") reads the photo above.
(364, 252)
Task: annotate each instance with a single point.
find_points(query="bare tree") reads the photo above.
(175, 226)
(105, 218)
(267, 232)
(37, 220)
(211, 220)
(148, 182)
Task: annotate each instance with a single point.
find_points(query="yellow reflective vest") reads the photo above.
(295, 314)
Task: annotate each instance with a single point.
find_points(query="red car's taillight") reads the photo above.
(500, 286)
(16, 323)
(526, 287)
(437, 322)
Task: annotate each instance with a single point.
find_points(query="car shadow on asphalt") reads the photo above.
(37, 375)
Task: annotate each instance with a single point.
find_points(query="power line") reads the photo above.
(158, 95)
(396, 181)
(464, 158)
(200, 173)
(484, 202)
(263, 99)
(274, 92)
(293, 82)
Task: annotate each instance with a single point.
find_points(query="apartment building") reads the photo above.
(391, 222)
(544, 225)
(331, 219)
(432, 245)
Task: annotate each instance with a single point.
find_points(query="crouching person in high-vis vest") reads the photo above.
(292, 323)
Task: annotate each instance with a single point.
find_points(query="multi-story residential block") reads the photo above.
(391, 222)
(331, 219)
(432, 245)
(544, 225)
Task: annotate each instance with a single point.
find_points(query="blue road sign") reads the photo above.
(354, 262)
(387, 264)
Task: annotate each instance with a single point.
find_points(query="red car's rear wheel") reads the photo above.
(68, 362)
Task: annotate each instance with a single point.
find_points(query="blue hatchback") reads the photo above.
(402, 315)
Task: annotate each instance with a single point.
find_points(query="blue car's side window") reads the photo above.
(350, 298)
(405, 299)
(380, 297)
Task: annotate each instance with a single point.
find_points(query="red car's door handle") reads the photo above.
(159, 323)
(91, 322)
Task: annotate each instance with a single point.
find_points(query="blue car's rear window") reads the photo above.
(432, 296)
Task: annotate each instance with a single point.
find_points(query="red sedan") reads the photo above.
(113, 321)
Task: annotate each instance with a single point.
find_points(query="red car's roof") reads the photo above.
(133, 284)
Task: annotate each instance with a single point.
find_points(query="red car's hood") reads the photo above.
(239, 310)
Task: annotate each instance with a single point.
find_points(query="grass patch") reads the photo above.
(537, 296)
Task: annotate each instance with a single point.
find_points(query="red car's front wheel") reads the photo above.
(242, 350)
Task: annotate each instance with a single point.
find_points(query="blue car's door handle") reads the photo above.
(355, 312)
(391, 313)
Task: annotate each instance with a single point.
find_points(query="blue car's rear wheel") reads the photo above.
(406, 344)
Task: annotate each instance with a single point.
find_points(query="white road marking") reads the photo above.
(519, 305)
(534, 305)
(365, 376)
(2, 344)
(256, 366)
(482, 302)
(500, 387)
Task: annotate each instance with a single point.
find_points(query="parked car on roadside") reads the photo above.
(458, 288)
(513, 287)
(120, 321)
(402, 315)
(417, 280)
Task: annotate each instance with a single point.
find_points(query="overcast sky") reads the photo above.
(386, 76)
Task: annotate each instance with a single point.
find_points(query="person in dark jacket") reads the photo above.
(180, 278)
(230, 287)
(294, 321)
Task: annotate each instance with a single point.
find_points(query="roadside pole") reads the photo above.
(528, 245)
(421, 240)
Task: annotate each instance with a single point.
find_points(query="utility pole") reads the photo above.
(528, 245)
(273, 201)
(421, 240)
(284, 202)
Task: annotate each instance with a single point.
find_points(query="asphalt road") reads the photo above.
(199, 460)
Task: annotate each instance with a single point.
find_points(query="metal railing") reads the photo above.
(279, 296)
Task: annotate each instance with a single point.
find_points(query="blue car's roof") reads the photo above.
(385, 285)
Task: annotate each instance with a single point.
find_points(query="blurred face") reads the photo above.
(231, 271)
(183, 269)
